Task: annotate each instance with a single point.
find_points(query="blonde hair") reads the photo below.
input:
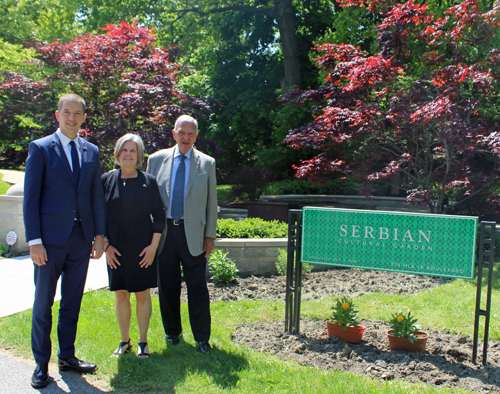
(134, 138)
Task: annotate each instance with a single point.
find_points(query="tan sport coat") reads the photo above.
(200, 201)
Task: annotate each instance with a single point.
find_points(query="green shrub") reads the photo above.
(304, 186)
(223, 269)
(282, 261)
(224, 193)
(251, 228)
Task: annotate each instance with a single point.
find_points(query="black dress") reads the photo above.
(134, 211)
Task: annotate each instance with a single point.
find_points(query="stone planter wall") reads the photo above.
(253, 256)
(11, 219)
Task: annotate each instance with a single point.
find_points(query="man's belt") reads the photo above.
(176, 223)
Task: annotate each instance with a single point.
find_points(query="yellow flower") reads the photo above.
(345, 305)
(400, 319)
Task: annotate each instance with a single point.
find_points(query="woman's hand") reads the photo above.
(111, 257)
(148, 255)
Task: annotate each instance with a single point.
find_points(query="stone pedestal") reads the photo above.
(16, 190)
(11, 219)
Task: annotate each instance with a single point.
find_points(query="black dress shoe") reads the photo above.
(204, 347)
(174, 339)
(40, 377)
(73, 364)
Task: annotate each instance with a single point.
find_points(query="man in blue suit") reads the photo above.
(64, 222)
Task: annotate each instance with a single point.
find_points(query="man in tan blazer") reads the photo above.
(188, 188)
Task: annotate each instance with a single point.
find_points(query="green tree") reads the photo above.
(179, 17)
(245, 54)
(238, 50)
(19, 59)
(43, 20)
(20, 65)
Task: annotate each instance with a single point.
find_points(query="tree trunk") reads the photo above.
(285, 17)
(284, 14)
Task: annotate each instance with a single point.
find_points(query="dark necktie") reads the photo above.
(178, 194)
(75, 162)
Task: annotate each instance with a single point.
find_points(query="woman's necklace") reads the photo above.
(125, 179)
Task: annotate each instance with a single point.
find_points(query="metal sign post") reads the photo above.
(293, 272)
(485, 260)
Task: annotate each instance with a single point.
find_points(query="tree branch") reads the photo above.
(243, 8)
(449, 208)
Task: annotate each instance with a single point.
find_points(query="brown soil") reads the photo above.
(445, 363)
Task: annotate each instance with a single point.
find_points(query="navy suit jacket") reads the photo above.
(51, 196)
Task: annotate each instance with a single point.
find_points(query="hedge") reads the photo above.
(251, 228)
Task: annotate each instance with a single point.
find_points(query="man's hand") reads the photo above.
(97, 247)
(148, 256)
(208, 245)
(149, 252)
(38, 254)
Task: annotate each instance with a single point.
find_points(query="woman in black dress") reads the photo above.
(134, 222)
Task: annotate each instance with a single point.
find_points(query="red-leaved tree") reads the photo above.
(129, 84)
(424, 109)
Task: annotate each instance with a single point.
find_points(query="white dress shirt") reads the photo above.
(67, 147)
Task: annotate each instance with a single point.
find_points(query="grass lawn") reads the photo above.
(236, 369)
(4, 186)
(223, 193)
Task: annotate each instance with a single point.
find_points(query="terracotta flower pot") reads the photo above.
(350, 334)
(397, 343)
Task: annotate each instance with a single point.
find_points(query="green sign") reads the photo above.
(425, 244)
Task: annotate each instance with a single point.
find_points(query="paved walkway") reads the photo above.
(17, 287)
(12, 177)
(15, 377)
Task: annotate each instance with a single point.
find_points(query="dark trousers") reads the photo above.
(175, 252)
(70, 262)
